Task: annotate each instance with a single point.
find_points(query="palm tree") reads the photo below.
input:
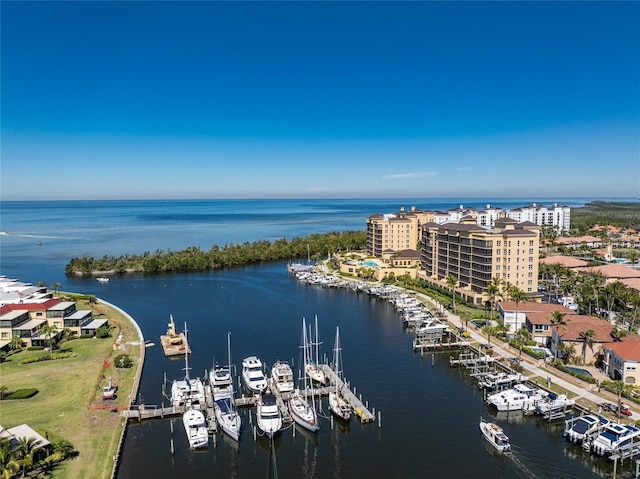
(632, 257)
(24, 452)
(490, 331)
(617, 334)
(64, 448)
(16, 343)
(557, 320)
(493, 290)
(452, 282)
(92, 300)
(56, 287)
(518, 296)
(619, 388)
(49, 331)
(588, 339)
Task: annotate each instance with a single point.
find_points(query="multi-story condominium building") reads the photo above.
(402, 230)
(558, 216)
(397, 231)
(474, 255)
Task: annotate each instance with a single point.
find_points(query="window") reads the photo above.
(530, 259)
(498, 243)
(530, 250)
(499, 251)
(498, 268)
(531, 243)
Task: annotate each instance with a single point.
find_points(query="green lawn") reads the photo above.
(69, 389)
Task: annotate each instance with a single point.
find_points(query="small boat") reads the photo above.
(282, 376)
(554, 402)
(108, 391)
(196, 428)
(337, 404)
(223, 398)
(188, 391)
(312, 363)
(253, 376)
(613, 437)
(102, 279)
(520, 397)
(498, 380)
(303, 413)
(495, 435)
(268, 414)
(583, 427)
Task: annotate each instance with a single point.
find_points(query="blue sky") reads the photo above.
(319, 99)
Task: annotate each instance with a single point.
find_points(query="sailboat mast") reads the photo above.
(186, 354)
(229, 360)
(317, 345)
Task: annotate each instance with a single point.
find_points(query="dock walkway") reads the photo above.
(356, 404)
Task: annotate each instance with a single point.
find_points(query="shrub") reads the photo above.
(35, 348)
(123, 361)
(103, 332)
(86, 336)
(22, 394)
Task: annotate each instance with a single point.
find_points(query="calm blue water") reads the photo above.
(430, 412)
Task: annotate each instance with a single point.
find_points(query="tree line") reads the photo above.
(194, 259)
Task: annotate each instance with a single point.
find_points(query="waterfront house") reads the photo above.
(621, 360)
(569, 335)
(530, 314)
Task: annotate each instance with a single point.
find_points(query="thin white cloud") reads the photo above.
(414, 174)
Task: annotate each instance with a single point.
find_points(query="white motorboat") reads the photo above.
(268, 414)
(337, 404)
(614, 437)
(312, 363)
(253, 376)
(553, 402)
(520, 397)
(189, 391)
(431, 327)
(581, 428)
(102, 279)
(498, 380)
(282, 376)
(196, 428)
(495, 435)
(223, 398)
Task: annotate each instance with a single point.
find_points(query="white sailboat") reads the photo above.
(187, 392)
(312, 364)
(337, 403)
(303, 413)
(196, 428)
(223, 397)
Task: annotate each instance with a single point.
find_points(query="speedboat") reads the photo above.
(582, 427)
(553, 402)
(268, 414)
(252, 375)
(196, 428)
(498, 380)
(431, 326)
(614, 436)
(282, 376)
(302, 412)
(495, 435)
(520, 397)
(102, 279)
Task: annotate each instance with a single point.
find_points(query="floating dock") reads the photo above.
(174, 343)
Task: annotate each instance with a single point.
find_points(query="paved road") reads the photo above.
(532, 369)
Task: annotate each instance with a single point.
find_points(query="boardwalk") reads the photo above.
(356, 404)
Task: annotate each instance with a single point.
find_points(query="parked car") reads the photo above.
(624, 410)
(607, 406)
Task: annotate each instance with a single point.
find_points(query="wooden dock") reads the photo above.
(143, 412)
(470, 360)
(356, 404)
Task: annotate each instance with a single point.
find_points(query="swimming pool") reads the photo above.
(545, 351)
(579, 371)
(370, 264)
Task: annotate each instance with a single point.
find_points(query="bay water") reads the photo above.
(429, 411)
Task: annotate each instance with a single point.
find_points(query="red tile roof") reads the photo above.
(614, 271)
(627, 350)
(577, 323)
(566, 261)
